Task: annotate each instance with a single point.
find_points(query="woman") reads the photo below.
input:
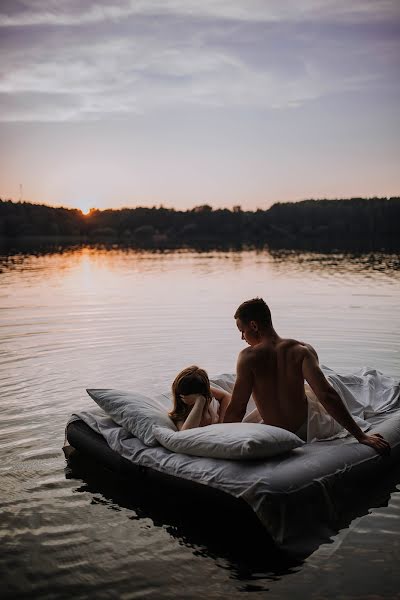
(196, 402)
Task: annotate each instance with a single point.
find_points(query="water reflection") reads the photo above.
(334, 263)
(85, 316)
(293, 260)
(210, 527)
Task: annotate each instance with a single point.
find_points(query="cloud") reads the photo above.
(44, 106)
(73, 12)
(115, 59)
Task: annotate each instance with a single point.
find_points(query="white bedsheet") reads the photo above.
(366, 394)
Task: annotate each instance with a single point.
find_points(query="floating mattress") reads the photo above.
(299, 497)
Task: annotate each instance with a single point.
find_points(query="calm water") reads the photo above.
(119, 318)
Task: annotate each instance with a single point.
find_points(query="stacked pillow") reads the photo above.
(148, 420)
(232, 441)
(134, 412)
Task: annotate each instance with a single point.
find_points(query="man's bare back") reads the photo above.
(273, 369)
(278, 381)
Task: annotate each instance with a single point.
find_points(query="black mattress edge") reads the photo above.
(86, 441)
(306, 512)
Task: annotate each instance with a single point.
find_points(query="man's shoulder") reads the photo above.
(297, 343)
(290, 341)
(252, 355)
(245, 354)
(309, 349)
(300, 349)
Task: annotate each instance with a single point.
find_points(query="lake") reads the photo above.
(82, 317)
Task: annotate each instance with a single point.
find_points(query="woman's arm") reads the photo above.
(193, 419)
(223, 398)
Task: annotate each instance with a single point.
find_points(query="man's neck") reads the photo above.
(268, 335)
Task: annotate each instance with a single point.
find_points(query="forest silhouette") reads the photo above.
(354, 224)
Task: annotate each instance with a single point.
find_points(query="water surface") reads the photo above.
(101, 317)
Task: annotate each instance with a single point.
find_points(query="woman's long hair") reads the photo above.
(191, 380)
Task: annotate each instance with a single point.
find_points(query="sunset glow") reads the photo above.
(85, 211)
(183, 103)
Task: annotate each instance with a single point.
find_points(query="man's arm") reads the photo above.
(333, 403)
(236, 409)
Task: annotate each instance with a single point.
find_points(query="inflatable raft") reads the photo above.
(300, 496)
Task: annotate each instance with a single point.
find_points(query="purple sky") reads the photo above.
(181, 102)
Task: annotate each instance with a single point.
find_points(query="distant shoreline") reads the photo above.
(356, 224)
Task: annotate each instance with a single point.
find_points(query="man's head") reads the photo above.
(252, 318)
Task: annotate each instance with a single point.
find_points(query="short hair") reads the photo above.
(254, 310)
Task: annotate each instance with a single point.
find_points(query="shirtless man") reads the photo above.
(273, 369)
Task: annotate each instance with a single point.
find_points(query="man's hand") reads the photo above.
(377, 442)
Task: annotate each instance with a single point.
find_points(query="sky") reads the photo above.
(181, 103)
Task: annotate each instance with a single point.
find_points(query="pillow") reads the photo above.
(134, 412)
(226, 381)
(234, 441)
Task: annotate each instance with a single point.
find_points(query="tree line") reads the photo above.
(355, 223)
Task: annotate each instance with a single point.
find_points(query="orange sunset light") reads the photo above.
(86, 211)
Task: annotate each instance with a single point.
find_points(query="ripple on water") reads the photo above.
(123, 319)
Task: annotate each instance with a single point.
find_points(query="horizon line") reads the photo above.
(238, 207)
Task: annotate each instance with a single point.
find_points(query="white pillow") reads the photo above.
(226, 381)
(134, 412)
(235, 441)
